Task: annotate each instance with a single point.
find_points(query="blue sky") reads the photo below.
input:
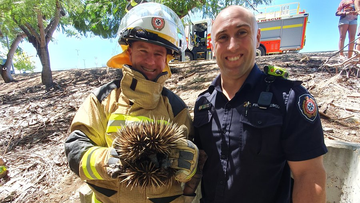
(70, 53)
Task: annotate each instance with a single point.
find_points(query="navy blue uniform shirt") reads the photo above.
(248, 141)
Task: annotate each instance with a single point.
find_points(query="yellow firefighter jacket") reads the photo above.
(132, 98)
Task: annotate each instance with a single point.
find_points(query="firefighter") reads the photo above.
(150, 35)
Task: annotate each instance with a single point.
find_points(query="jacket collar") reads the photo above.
(135, 87)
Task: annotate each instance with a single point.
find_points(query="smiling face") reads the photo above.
(149, 59)
(236, 37)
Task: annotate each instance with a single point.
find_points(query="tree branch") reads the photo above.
(14, 45)
(5, 72)
(50, 29)
(41, 27)
(33, 32)
(31, 38)
(21, 27)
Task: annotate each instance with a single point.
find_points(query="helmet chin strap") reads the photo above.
(123, 58)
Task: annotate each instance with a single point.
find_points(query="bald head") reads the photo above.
(235, 37)
(234, 11)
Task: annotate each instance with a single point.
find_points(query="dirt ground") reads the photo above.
(34, 123)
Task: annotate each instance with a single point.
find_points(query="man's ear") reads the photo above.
(258, 37)
(212, 48)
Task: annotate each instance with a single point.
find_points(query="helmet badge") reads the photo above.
(158, 23)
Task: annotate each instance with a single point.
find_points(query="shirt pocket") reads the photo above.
(261, 131)
(203, 133)
(202, 118)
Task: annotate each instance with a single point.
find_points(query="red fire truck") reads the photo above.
(282, 29)
(198, 37)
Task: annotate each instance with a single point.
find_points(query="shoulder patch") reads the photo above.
(308, 107)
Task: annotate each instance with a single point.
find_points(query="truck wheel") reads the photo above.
(260, 51)
(188, 56)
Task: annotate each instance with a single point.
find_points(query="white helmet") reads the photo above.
(154, 23)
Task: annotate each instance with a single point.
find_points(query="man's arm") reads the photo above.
(309, 180)
(190, 186)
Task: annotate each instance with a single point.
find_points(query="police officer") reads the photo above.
(151, 35)
(256, 129)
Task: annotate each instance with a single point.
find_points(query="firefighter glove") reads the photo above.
(113, 163)
(184, 157)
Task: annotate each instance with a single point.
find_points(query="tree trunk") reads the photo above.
(46, 75)
(5, 72)
(7, 45)
(6, 68)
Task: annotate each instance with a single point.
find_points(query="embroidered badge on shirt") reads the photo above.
(158, 23)
(308, 107)
(205, 106)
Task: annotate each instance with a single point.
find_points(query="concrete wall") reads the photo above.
(342, 164)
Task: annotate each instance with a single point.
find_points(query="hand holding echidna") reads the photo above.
(184, 158)
(152, 153)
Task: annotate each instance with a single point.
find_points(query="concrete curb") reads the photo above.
(342, 164)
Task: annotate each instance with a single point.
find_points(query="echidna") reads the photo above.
(144, 148)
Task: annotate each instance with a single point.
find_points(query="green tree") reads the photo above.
(35, 20)
(38, 19)
(23, 62)
(10, 37)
